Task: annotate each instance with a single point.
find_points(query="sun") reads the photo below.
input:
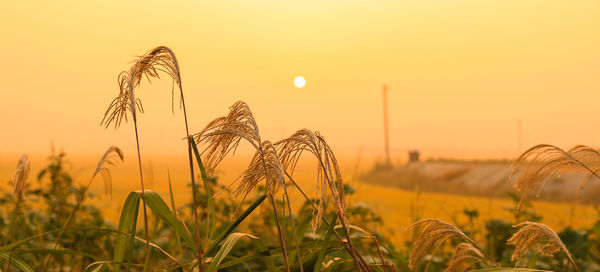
(299, 82)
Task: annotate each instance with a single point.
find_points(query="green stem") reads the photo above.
(137, 142)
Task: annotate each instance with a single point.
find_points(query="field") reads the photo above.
(398, 208)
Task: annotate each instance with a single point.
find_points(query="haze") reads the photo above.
(461, 73)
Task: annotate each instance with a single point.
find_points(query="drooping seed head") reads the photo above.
(431, 234)
(269, 170)
(464, 255)
(537, 236)
(328, 172)
(223, 134)
(540, 164)
(111, 157)
(159, 59)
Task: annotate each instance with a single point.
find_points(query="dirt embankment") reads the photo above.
(480, 179)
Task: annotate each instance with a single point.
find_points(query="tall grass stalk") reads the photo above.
(19, 183)
(293, 225)
(329, 176)
(271, 197)
(363, 263)
(159, 59)
(110, 157)
(223, 136)
(177, 238)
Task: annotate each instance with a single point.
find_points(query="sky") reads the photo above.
(462, 74)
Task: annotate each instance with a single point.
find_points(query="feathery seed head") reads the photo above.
(20, 176)
(269, 170)
(533, 235)
(431, 234)
(159, 59)
(328, 172)
(538, 165)
(111, 157)
(223, 134)
(462, 256)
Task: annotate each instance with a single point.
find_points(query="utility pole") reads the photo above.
(386, 126)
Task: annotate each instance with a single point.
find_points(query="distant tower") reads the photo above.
(385, 126)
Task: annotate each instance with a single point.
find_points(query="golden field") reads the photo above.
(398, 208)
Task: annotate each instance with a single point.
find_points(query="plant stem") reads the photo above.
(137, 142)
(11, 229)
(281, 242)
(340, 213)
(360, 258)
(177, 237)
(293, 228)
(67, 223)
(191, 162)
(281, 239)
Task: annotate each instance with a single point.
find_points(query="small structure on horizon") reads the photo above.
(413, 156)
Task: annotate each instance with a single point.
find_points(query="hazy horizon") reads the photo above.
(461, 74)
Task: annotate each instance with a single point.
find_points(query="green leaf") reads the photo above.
(162, 211)
(177, 237)
(324, 246)
(227, 246)
(262, 253)
(16, 262)
(233, 225)
(127, 224)
(209, 196)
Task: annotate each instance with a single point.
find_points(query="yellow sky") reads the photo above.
(461, 72)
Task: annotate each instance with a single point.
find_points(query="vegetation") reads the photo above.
(48, 226)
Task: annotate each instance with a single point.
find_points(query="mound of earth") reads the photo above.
(480, 179)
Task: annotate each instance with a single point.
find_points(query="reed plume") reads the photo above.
(328, 176)
(223, 136)
(463, 255)
(160, 59)
(271, 171)
(328, 172)
(540, 164)
(432, 233)
(112, 156)
(20, 176)
(148, 65)
(543, 239)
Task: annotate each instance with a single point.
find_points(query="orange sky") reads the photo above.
(462, 73)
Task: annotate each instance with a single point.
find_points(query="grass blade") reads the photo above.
(127, 224)
(324, 246)
(228, 245)
(16, 262)
(209, 196)
(177, 237)
(235, 223)
(162, 211)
